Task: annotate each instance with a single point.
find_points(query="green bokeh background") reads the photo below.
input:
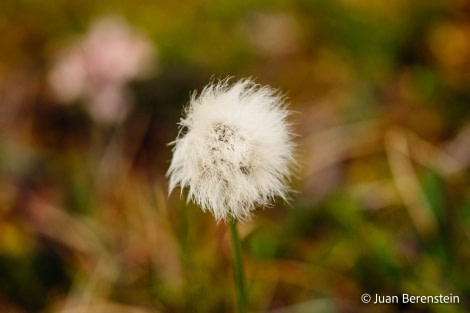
(381, 94)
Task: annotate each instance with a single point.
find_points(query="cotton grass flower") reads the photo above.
(234, 151)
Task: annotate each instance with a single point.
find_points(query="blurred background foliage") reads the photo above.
(91, 93)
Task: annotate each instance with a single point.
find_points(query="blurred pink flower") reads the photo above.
(98, 66)
(115, 53)
(110, 105)
(68, 76)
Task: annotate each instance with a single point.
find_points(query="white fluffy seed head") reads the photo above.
(234, 151)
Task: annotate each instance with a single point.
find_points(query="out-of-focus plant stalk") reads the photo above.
(238, 273)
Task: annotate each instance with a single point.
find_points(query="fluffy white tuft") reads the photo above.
(234, 150)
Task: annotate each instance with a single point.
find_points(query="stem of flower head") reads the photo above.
(238, 273)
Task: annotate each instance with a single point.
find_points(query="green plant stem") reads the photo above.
(238, 273)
